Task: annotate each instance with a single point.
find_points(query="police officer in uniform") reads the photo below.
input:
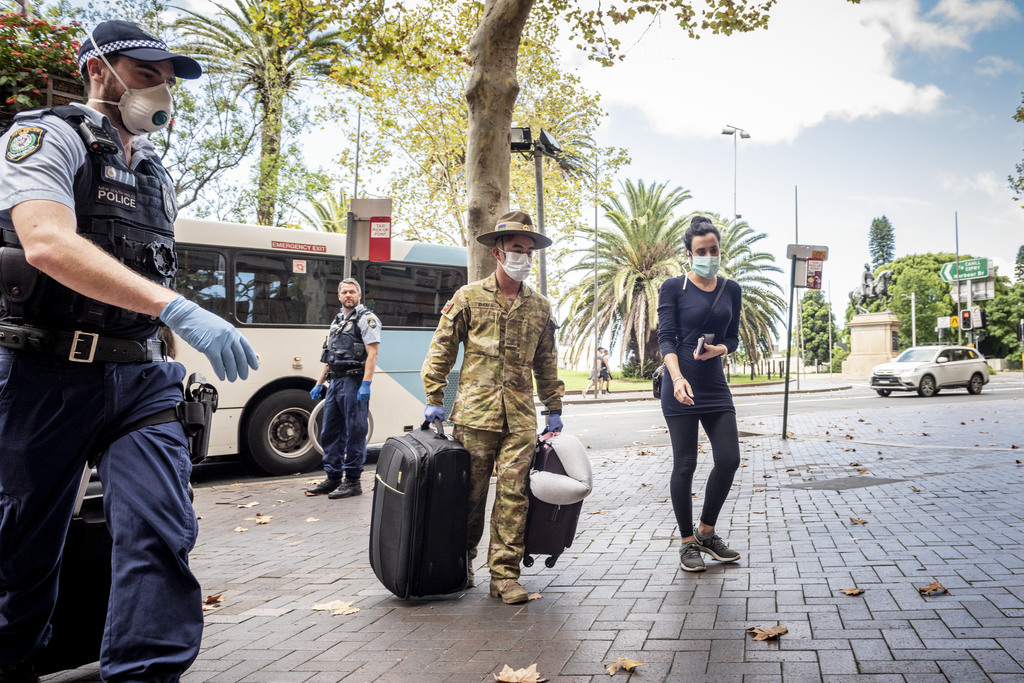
(508, 333)
(86, 260)
(349, 358)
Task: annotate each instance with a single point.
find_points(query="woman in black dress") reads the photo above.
(694, 388)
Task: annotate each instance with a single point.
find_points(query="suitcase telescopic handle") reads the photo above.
(438, 426)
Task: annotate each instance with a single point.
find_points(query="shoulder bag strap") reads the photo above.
(714, 303)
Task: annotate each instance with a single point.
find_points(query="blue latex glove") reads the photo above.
(431, 413)
(364, 391)
(317, 392)
(229, 352)
(554, 424)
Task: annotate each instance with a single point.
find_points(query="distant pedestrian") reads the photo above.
(599, 374)
(692, 307)
(606, 371)
(349, 358)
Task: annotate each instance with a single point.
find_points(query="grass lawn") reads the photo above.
(577, 380)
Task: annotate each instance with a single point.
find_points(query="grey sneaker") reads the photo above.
(713, 545)
(690, 559)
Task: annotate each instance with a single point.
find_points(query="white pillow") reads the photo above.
(575, 484)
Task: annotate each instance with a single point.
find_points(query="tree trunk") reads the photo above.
(270, 159)
(491, 95)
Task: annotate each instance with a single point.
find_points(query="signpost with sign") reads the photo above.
(806, 260)
(971, 269)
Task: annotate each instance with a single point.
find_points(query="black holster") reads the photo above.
(195, 414)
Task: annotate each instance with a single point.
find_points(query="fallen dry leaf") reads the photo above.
(249, 505)
(312, 519)
(240, 529)
(933, 587)
(623, 663)
(853, 591)
(863, 471)
(533, 596)
(596, 512)
(771, 632)
(265, 519)
(758, 490)
(854, 464)
(776, 457)
(644, 484)
(530, 675)
(337, 608)
(915, 489)
(213, 599)
(858, 521)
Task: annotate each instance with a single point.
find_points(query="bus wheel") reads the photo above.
(277, 437)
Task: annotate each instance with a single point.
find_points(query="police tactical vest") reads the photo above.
(344, 351)
(127, 213)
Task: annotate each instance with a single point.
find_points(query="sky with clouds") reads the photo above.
(900, 108)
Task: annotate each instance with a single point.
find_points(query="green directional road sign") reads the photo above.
(973, 269)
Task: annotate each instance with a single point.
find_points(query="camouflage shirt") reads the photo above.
(504, 345)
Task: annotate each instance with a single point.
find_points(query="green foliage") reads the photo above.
(816, 320)
(1003, 312)
(33, 52)
(642, 248)
(881, 242)
(1018, 268)
(839, 354)
(635, 369)
(1017, 181)
(763, 301)
(269, 53)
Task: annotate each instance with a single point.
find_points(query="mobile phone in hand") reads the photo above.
(700, 345)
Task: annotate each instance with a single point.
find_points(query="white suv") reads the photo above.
(927, 369)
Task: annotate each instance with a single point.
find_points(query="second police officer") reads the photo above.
(349, 358)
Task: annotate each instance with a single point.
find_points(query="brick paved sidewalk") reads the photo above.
(935, 510)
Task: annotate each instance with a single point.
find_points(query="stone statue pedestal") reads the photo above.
(873, 340)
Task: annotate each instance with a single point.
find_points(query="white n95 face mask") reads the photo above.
(143, 111)
(516, 266)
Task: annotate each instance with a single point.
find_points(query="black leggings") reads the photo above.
(725, 448)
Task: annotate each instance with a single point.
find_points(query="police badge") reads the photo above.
(24, 143)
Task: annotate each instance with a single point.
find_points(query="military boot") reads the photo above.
(348, 488)
(326, 486)
(510, 591)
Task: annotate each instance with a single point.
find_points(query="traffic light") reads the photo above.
(984, 318)
(965, 319)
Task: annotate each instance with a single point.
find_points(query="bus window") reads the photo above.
(278, 289)
(200, 278)
(409, 294)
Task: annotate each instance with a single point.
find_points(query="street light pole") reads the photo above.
(735, 133)
(538, 166)
(913, 317)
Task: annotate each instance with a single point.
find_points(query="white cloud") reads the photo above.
(819, 60)
(988, 183)
(993, 66)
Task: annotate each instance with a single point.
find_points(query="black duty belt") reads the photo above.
(81, 347)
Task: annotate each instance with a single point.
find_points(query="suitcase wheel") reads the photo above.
(550, 562)
(527, 560)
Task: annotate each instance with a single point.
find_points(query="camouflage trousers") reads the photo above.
(510, 455)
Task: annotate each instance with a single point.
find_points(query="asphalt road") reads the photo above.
(624, 425)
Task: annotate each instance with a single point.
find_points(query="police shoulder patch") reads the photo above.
(24, 142)
(371, 322)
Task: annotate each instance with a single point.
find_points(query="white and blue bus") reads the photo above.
(279, 288)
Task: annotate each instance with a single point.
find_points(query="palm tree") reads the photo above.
(763, 300)
(272, 53)
(641, 250)
(329, 215)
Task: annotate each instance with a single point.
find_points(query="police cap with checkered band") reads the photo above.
(125, 38)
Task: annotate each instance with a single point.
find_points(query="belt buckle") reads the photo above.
(81, 336)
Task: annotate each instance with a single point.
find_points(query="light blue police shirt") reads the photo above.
(49, 173)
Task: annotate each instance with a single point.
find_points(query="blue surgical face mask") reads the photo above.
(706, 266)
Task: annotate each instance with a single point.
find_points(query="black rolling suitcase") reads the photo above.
(551, 522)
(420, 512)
(84, 587)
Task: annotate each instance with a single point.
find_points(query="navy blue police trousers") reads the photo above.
(53, 415)
(343, 436)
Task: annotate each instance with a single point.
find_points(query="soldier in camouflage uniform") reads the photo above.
(509, 336)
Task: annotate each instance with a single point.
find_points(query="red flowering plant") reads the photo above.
(32, 53)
